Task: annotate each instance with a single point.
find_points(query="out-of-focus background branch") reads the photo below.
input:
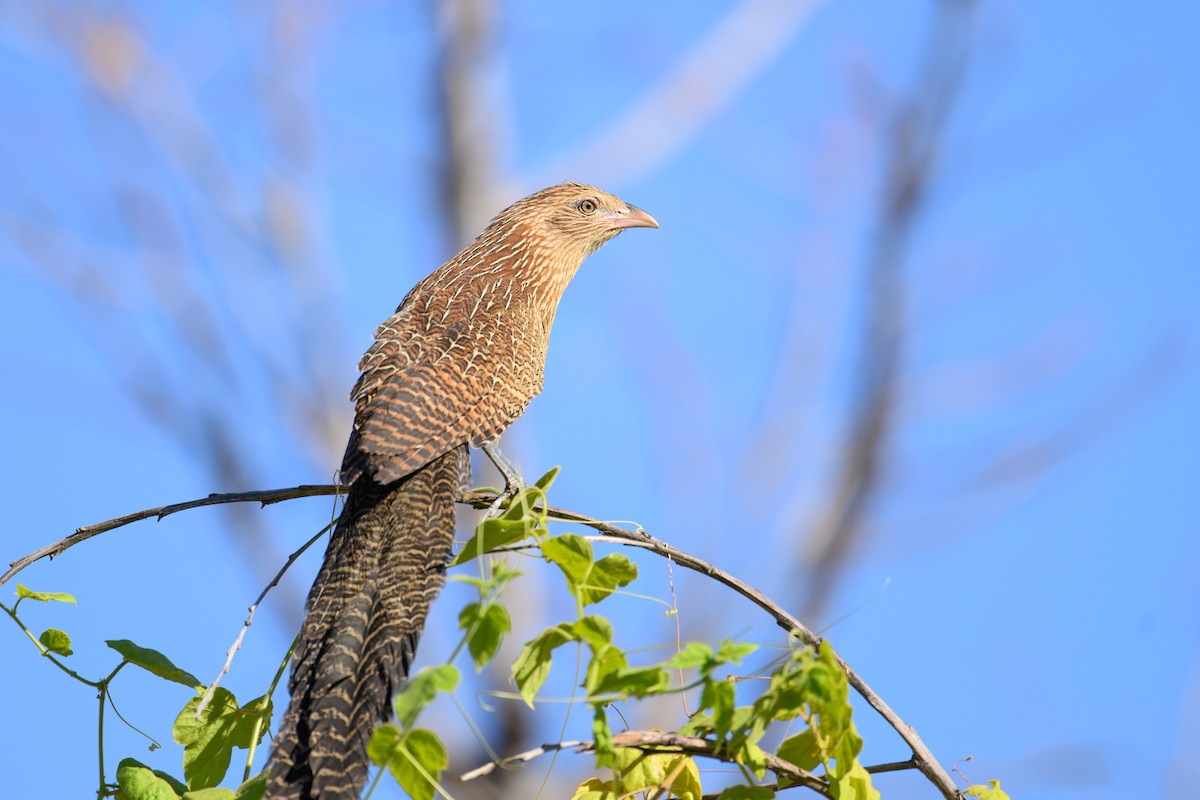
(913, 344)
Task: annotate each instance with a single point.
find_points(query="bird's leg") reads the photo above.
(512, 478)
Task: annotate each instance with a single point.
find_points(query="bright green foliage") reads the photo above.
(853, 784)
(416, 758)
(805, 690)
(136, 781)
(208, 741)
(253, 789)
(153, 661)
(809, 686)
(420, 690)
(43, 597)
(693, 655)
(990, 792)
(594, 789)
(589, 581)
(56, 641)
(602, 736)
(532, 667)
(521, 520)
(485, 624)
(801, 750)
(635, 771)
(628, 682)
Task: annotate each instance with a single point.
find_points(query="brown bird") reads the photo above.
(454, 366)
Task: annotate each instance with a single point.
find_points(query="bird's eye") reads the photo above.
(587, 205)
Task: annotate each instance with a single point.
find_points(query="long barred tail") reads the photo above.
(385, 563)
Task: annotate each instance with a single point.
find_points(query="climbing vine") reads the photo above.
(802, 698)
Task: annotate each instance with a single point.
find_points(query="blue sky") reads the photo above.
(1037, 611)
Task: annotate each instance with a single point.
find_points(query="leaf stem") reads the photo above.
(12, 612)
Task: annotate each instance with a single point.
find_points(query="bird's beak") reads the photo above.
(633, 217)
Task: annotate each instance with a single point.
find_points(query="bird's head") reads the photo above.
(574, 218)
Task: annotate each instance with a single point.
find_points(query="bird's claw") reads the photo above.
(513, 484)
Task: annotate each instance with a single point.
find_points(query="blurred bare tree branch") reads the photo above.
(704, 81)
(180, 304)
(470, 114)
(912, 152)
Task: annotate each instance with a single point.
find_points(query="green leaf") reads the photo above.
(609, 573)
(589, 581)
(753, 758)
(602, 735)
(208, 742)
(429, 752)
(693, 655)
(410, 757)
(606, 660)
(990, 792)
(572, 554)
(686, 785)
(491, 534)
(594, 789)
(56, 641)
(718, 695)
(420, 690)
(734, 652)
(533, 665)
(546, 481)
(594, 630)
(153, 661)
(635, 771)
(632, 682)
(383, 744)
(743, 792)
(44, 597)
(139, 782)
(855, 784)
(485, 626)
(700, 724)
(253, 789)
(214, 793)
(801, 750)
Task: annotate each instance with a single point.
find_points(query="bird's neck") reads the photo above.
(537, 268)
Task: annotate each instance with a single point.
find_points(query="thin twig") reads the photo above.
(237, 643)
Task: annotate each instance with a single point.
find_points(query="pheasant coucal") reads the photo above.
(454, 366)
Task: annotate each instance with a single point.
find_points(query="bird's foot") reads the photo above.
(513, 484)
